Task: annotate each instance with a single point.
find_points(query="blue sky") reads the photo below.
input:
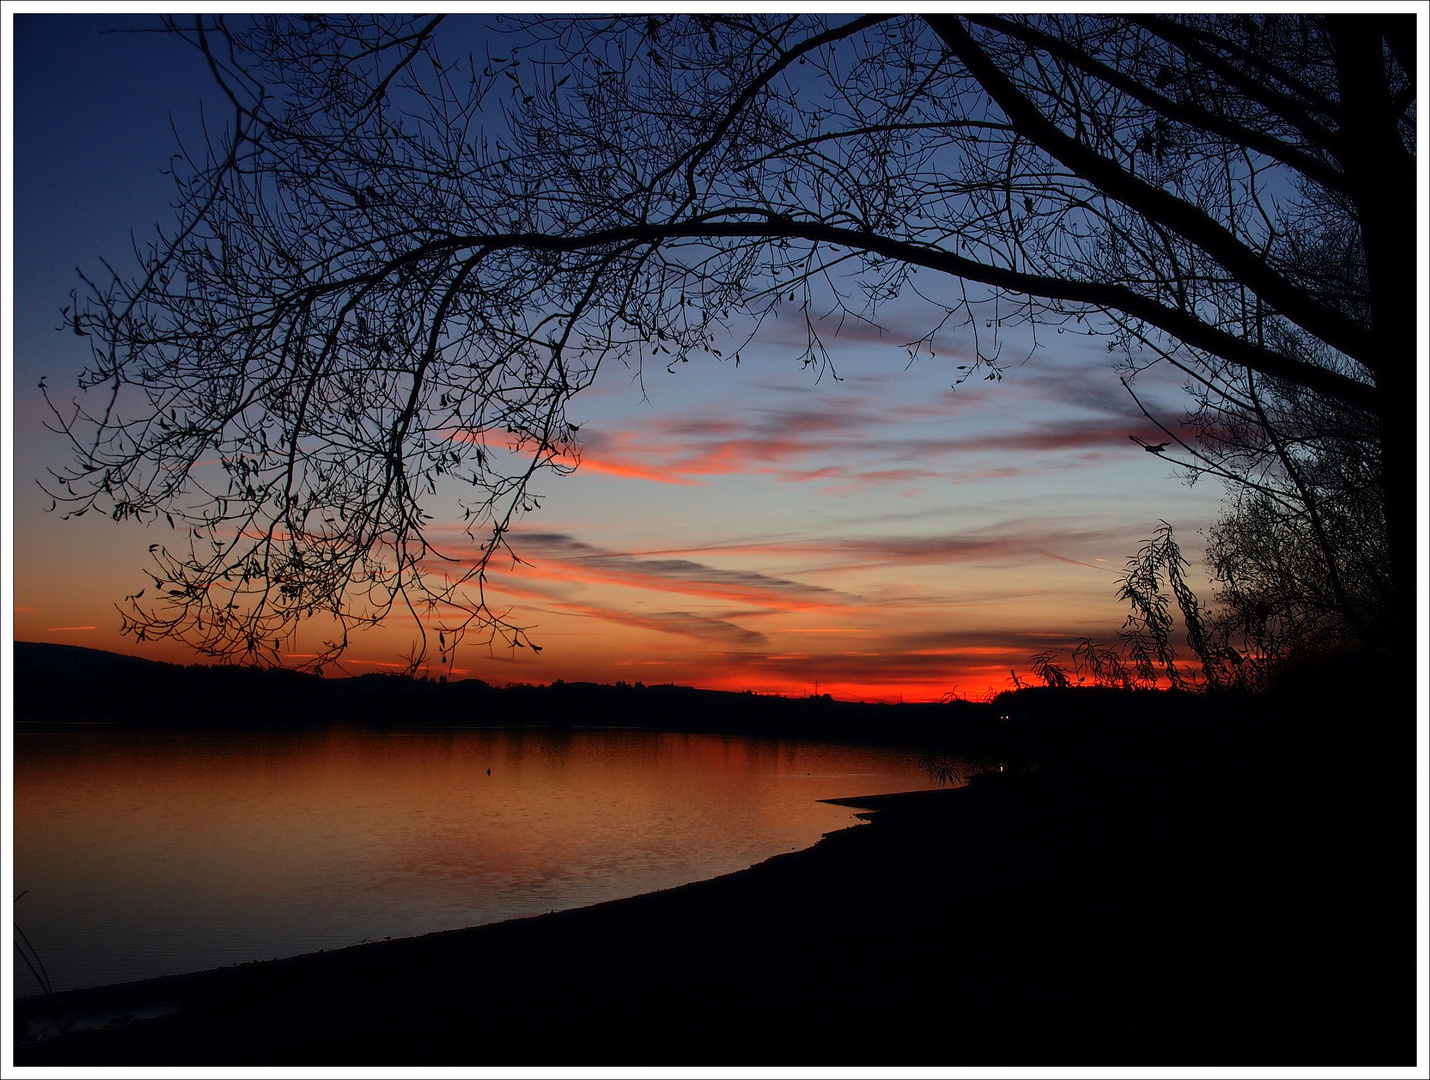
(768, 527)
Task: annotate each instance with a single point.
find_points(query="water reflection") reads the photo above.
(147, 854)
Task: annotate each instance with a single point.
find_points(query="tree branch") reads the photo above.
(1193, 115)
(1186, 220)
(1182, 325)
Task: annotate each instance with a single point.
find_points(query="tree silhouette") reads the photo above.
(415, 240)
(1300, 551)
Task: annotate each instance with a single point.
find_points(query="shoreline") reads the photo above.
(138, 1017)
(1184, 880)
(113, 1001)
(1165, 917)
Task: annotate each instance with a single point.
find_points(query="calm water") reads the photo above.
(150, 854)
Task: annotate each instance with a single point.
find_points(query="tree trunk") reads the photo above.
(1382, 183)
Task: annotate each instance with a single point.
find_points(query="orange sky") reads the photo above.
(879, 538)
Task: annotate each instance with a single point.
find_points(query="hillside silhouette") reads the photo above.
(64, 684)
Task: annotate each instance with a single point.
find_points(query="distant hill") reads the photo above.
(44, 659)
(64, 684)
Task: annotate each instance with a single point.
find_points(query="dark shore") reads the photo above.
(1234, 886)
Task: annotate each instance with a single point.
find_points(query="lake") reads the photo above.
(143, 854)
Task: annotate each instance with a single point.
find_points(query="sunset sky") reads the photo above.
(881, 536)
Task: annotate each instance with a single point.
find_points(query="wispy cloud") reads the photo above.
(915, 667)
(1010, 542)
(559, 556)
(851, 445)
(742, 628)
(723, 633)
(720, 630)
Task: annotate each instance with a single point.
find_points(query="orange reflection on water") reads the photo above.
(147, 854)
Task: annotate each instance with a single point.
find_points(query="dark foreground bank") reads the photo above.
(1233, 893)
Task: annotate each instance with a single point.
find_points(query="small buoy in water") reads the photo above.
(489, 772)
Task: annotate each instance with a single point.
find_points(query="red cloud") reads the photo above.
(780, 442)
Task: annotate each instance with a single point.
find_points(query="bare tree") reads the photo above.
(398, 262)
(1301, 550)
